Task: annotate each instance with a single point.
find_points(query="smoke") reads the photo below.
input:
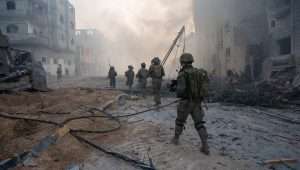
(135, 30)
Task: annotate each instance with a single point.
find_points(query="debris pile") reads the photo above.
(277, 93)
(24, 73)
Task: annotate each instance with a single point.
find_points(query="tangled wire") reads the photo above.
(116, 119)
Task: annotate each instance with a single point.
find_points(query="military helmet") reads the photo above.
(130, 67)
(156, 61)
(143, 64)
(186, 58)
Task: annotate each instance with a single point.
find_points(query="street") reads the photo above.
(240, 137)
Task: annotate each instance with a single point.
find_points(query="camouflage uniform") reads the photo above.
(112, 74)
(192, 88)
(4, 55)
(129, 77)
(156, 72)
(142, 76)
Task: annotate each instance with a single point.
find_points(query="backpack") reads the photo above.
(196, 83)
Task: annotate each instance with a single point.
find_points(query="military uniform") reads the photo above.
(59, 72)
(156, 72)
(142, 76)
(192, 88)
(112, 74)
(4, 55)
(129, 77)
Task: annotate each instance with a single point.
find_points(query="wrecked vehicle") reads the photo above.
(20, 72)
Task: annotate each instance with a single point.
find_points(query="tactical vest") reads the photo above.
(157, 71)
(196, 81)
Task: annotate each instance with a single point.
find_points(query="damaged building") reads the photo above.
(89, 51)
(46, 28)
(284, 35)
(232, 36)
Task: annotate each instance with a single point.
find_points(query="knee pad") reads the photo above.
(200, 125)
(179, 123)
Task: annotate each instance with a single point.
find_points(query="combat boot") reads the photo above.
(178, 132)
(175, 140)
(204, 136)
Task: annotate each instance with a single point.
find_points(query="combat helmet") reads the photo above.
(143, 64)
(186, 58)
(155, 61)
(130, 67)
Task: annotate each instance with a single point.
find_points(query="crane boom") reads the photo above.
(181, 32)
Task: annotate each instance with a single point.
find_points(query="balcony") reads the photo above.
(281, 62)
(28, 40)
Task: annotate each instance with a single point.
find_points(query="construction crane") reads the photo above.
(180, 34)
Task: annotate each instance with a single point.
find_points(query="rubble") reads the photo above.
(24, 73)
(278, 92)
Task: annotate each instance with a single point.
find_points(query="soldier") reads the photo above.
(142, 76)
(129, 74)
(59, 72)
(192, 89)
(112, 74)
(156, 72)
(4, 55)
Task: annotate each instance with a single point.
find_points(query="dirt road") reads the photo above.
(240, 137)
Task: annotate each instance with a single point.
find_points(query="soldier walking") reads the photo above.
(129, 74)
(142, 76)
(112, 74)
(59, 72)
(156, 72)
(192, 89)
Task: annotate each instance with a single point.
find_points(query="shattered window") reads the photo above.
(10, 5)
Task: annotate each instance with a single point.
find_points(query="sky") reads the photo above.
(136, 29)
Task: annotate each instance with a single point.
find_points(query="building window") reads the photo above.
(285, 46)
(10, 5)
(228, 52)
(67, 72)
(12, 28)
(273, 23)
(72, 25)
(55, 61)
(44, 60)
(61, 18)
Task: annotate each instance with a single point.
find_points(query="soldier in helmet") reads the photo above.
(156, 72)
(142, 76)
(59, 72)
(192, 89)
(112, 74)
(4, 55)
(129, 74)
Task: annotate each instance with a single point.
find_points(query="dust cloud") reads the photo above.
(135, 30)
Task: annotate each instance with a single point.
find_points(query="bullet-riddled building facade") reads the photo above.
(46, 28)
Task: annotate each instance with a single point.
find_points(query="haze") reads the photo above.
(135, 30)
